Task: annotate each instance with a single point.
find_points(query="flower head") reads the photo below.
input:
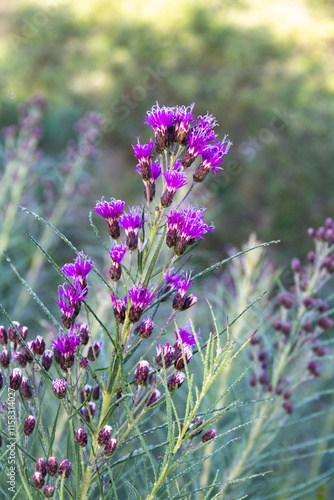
(69, 298)
(132, 224)
(211, 156)
(185, 335)
(174, 180)
(182, 287)
(161, 121)
(143, 153)
(174, 221)
(117, 254)
(80, 269)
(140, 298)
(183, 118)
(65, 346)
(192, 226)
(111, 211)
(199, 137)
(119, 307)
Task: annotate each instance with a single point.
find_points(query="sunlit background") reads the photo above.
(265, 69)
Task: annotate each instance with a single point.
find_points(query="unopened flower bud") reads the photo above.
(252, 381)
(82, 438)
(110, 447)
(179, 358)
(313, 368)
(84, 362)
(25, 388)
(31, 349)
(188, 302)
(93, 352)
(104, 435)
(84, 393)
(176, 381)
(263, 378)
(153, 398)
(21, 359)
(59, 387)
(48, 491)
(287, 394)
(84, 333)
(197, 422)
(65, 467)
(142, 371)
(47, 359)
(29, 425)
(38, 480)
(165, 354)
(23, 332)
(41, 466)
(96, 392)
(288, 407)
(296, 265)
(3, 335)
(325, 322)
(12, 335)
(39, 345)
(5, 358)
(277, 324)
(52, 466)
(209, 435)
(286, 328)
(145, 328)
(15, 379)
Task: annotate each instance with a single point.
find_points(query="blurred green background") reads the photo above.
(265, 69)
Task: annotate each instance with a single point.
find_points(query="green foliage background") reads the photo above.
(264, 69)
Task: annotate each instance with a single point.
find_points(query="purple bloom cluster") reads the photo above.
(174, 180)
(143, 153)
(69, 301)
(64, 347)
(183, 228)
(117, 254)
(111, 211)
(140, 298)
(132, 224)
(178, 124)
(79, 270)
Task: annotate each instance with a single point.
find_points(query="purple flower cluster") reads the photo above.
(64, 348)
(183, 228)
(79, 270)
(111, 211)
(69, 301)
(132, 223)
(117, 254)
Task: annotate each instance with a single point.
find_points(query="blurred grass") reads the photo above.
(264, 69)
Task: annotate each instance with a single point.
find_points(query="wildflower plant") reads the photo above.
(114, 402)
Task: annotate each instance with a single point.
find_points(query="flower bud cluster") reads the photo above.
(301, 321)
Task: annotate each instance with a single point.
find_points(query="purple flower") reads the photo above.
(149, 187)
(140, 298)
(182, 287)
(80, 269)
(69, 301)
(185, 335)
(143, 153)
(161, 121)
(183, 118)
(199, 137)
(172, 280)
(192, 226)
(64, 347)
(132, 223)
(165, 354)
(174, 220)
(119, 307)
(211, 156)
(174, 181)
(117, 253)
(111, 211)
